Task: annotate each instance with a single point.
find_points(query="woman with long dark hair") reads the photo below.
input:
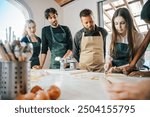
(124, 41)
(140, 89)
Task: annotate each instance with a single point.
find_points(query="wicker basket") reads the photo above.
(14, 79)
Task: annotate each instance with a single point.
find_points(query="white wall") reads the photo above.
(72, 10)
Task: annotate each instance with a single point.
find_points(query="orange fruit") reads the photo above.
(54, 92)
(36, 88)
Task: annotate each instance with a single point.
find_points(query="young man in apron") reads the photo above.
(57, 37)
(89, 43)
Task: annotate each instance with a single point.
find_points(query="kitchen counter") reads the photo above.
(78, 84)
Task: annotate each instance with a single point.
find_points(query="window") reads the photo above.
(134, 6)
(12, 21)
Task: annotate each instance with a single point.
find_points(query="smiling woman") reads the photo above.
(12, 21)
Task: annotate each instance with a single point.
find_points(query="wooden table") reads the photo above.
(78, 85)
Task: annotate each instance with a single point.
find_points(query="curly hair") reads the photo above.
(50, 10)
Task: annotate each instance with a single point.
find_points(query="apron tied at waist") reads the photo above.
(92, 53)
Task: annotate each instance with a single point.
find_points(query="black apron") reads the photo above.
(59, 47)
(121, 55)
(36, 51)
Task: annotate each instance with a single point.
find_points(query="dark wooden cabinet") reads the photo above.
(63, 2)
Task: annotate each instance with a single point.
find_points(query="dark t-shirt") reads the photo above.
(47, 37)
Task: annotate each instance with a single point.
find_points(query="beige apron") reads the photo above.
(92, 53)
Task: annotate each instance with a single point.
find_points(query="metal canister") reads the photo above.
(14, 79)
